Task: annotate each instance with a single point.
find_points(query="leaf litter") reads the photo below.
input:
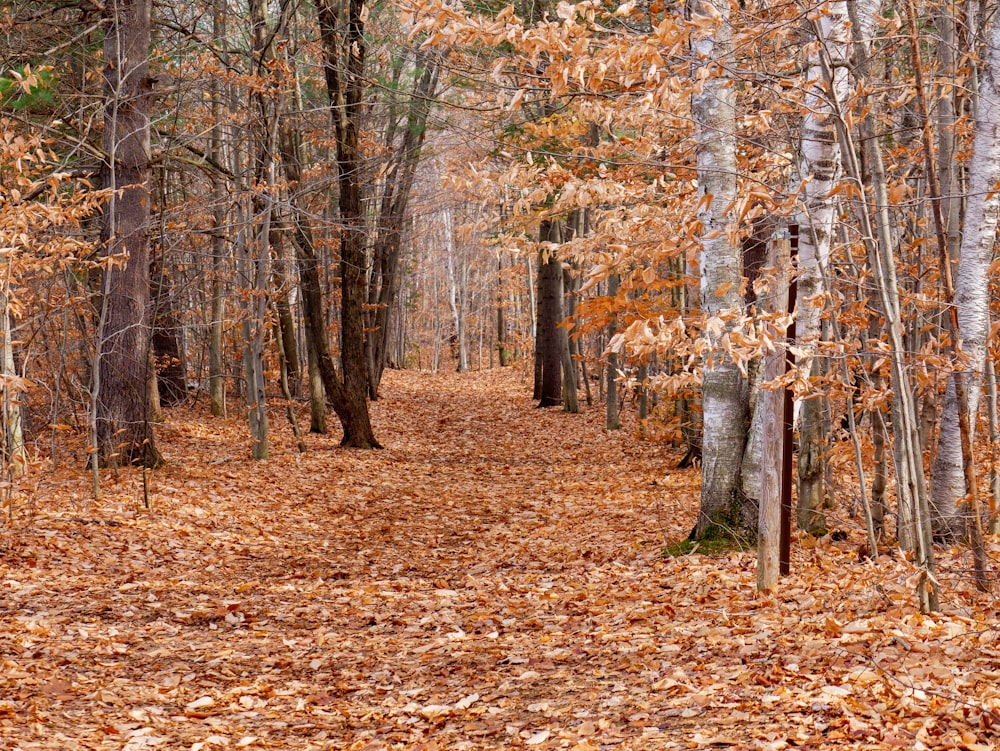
(494, 578)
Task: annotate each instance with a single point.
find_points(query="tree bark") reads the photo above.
(167, 356)
(124, 432)
(342, 35)
(550, 293)
(612, 420)
(820, 170)
(771, 416)
(971, 295)
(724, 388)
(394, 204)
(216, 354)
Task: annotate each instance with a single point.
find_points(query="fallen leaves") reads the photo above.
(492, 583)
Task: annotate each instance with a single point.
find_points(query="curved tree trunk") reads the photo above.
(342, 35)
(388, 244)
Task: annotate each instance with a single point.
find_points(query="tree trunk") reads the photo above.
(913, 517)
(342, 34)
(771, 416)
(167, 357)
(612, 420)
(550, 313)
(820, 170)
(393, 209)
(15, 459)
(255, 271)
(569, 397)
(535, 291)
(284, 323)
(124, 432)
(216, 354)
(724, 387)
(971, 295)
(503, 353)
(457, 291)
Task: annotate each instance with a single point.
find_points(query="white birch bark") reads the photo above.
(15, 457)
(456, 291)
(820, 171)
(819, 166)
(724, 388)
(971, 299)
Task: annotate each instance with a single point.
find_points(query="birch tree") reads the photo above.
(971, 293)
(819, 171)
(724, 387)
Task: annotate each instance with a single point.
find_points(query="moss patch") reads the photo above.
(717, 544)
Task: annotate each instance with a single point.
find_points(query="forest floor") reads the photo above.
(494, 578)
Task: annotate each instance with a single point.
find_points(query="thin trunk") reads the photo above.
(285, 322)
(15, 459)
(536, 327)
(771, 416)
(502, 352)
(569, 396)
(317, 396)
(216, 352)
(612, 420)
(167, 358)
(913, 505)
(456, 294)
(279, 339)
(254, 269)
(550, 298)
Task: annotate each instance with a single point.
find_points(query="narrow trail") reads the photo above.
(493, 578)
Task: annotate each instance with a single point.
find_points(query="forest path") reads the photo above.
(493, 578)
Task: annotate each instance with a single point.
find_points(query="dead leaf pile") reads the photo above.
(494, 578)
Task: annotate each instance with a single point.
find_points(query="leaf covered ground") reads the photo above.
(494, 578)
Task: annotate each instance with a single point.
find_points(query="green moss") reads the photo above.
(719, 537)
(708, 546)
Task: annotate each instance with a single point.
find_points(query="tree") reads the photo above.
(342, 35)
(121, 372)
(397, 185)
(971, 300)
(724, 387)
(819, 170)
(550, 313)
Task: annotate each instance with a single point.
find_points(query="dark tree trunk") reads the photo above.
(285, 323)
(503, 353)
(612, 417)
(550, 278)
(124, 432)
(536, 392)
(395, 200)
(170, 378)
(344, 51)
